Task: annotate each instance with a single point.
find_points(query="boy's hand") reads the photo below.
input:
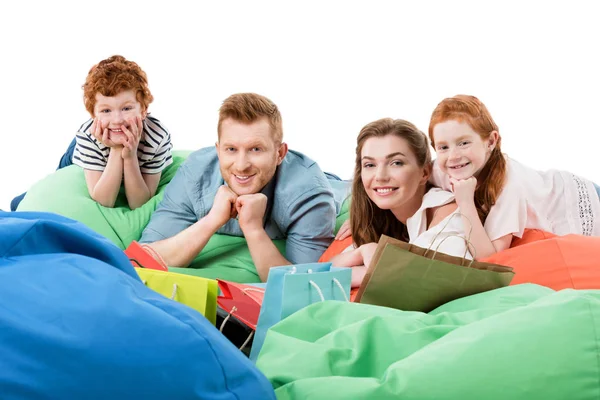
(251, 210)
(224, 206)
(464, 191)
(133, 135)
(100, 131)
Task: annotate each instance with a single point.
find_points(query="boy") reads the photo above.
(121, 143)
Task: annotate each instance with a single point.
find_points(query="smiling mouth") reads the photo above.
(455, 167)
(115, 130)
(243, 178)
(385, 191)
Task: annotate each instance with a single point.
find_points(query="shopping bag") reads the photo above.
(237, 315)
(144, 256)
(412, 278)
(193, 291)
(293, 287)
(241, 300)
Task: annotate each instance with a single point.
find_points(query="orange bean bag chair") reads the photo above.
(557, 262)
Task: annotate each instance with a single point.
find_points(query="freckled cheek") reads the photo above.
(102, 118)
(441, 162)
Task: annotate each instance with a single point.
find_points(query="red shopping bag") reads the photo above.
(242, 301)
(144, 256)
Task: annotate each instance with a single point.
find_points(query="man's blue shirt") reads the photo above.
(300, 209)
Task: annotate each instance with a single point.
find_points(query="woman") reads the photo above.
(391, 195)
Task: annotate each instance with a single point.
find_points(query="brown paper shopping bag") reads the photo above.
(412, 278)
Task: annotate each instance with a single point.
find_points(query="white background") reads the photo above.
(331, 67)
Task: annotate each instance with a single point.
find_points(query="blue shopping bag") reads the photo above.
(293, 287)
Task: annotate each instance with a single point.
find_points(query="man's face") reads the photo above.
(248, 155)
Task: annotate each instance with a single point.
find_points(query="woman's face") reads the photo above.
(390, 173)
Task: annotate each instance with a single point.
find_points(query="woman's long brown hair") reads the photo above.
(367, 221)
(470, 109)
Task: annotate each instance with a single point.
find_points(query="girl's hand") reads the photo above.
(133, 135)
(464, 191)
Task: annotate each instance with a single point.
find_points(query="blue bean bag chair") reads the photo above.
(77, 323)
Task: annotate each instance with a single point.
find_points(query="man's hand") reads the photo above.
(251, 210)
(133, 135)
(100, 131)
(224, 206)
(464, 191)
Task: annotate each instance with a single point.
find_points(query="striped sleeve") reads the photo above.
(88, 153)
(157, 138)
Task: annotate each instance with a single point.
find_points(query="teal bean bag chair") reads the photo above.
(65, 192)
(520, 342)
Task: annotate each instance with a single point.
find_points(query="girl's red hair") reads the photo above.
(470, 110)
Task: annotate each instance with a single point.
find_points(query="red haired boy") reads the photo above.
(121, 143)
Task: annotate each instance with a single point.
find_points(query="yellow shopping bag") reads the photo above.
(193, 291)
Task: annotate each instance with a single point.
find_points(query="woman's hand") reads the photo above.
(344, 231)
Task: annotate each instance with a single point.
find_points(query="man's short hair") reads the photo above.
(250, 107)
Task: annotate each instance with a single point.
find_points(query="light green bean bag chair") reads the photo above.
(522, 342)
(65, 192)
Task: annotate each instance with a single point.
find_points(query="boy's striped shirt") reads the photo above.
(154, 150)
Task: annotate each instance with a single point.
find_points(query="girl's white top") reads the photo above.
(554, 201)
(448, 236)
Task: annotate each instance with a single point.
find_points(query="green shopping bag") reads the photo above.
(412, 278)
(193, 291)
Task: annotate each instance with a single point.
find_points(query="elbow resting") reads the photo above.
(138, 203)
(104, 202)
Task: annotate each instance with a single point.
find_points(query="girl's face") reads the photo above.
(390, 173)
(461, 153)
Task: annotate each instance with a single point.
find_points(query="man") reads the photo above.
(248, 185)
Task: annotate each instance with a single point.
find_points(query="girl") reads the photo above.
(500, 196)
(391, 195)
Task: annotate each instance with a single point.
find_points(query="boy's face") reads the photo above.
(118, 111)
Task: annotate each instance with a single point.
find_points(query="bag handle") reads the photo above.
(469, 246)
(233, 310)
(335, 280)
(259, 290)
(154, 255)
(173, 293)
(467, 239)
(138, 263)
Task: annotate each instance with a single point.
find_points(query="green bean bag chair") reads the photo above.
(65, 192)
(520, 342)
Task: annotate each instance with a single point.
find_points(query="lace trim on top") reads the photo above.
(586, 215)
